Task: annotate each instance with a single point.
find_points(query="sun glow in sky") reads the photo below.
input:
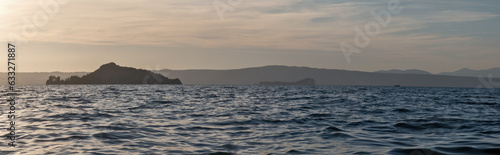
(80, 35)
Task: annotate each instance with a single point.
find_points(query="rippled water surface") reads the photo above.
(196, 119)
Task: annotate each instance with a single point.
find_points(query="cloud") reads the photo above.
(460, 16)
(313, 25)
(185, 23)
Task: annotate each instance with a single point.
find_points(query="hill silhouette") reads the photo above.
(113, 74)
(493, 72)
(409, 71)
(303, 82)
(255, 75)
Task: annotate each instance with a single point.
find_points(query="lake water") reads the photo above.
(205, 119)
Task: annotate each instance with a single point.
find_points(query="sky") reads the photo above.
(81, 35)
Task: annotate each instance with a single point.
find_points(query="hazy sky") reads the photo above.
(80, 35)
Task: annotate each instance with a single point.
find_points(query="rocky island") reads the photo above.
(113, 74)
(304, 82)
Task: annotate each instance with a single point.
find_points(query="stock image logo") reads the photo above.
(422, 152)
(31, 25)
(221, 8)
(363, 37)
(102, 134)
(487, 82)
(151, 76)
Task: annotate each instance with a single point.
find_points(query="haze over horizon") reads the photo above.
(435, 36)
(158, 68)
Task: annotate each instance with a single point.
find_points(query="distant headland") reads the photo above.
(303, 82)
(113, 74)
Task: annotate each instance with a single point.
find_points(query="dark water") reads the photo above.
(153, 119)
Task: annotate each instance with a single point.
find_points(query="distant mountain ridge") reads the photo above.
(303, 82)
(251, 76)
(255, 75)
(409, 71)
(493, 72)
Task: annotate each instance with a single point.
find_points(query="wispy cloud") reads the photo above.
(282, 24)
(460, 16)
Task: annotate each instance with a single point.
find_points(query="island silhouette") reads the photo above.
(113, 74)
